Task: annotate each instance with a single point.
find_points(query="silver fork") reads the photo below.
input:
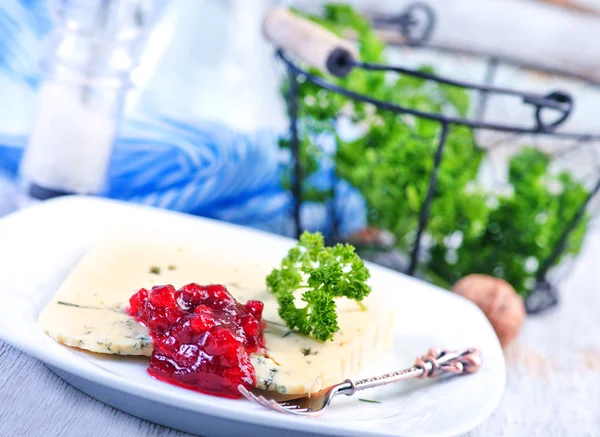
(435, 362)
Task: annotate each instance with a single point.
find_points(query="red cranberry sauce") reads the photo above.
(202, 336)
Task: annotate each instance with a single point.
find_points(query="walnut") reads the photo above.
(498, 300)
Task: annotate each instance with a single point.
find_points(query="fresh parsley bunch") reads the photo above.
(521, 229)
(318, 274)
(391, 161)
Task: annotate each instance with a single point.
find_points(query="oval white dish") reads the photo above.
(40, 245)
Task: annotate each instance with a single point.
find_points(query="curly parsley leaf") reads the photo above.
(318, 274)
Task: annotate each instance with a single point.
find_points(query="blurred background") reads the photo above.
(184, 105)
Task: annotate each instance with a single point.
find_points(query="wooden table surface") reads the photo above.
(553, 379)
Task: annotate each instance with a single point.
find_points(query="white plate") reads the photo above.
(39, 245)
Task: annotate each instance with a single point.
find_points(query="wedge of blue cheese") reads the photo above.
(97, 329)
(295, 364)
(88, 312)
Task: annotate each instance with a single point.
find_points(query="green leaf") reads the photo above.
(319, 274)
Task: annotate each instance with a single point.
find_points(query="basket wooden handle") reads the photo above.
(309, 41)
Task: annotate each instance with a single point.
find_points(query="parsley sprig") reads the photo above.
(319, 274)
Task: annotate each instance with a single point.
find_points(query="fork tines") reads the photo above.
(283, 407)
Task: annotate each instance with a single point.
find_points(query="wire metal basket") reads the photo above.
(550, 110)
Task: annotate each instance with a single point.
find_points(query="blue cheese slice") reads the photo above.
(295, 364)
(87, 312)
(104, 330)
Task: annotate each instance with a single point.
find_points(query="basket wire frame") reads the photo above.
(545, 294)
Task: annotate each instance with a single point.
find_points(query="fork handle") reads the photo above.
(435, 362)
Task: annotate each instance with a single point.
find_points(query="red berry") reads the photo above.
(219, 294)
(219, 341)
(160, 366)
(242, 374)
(231, 357)
(182, 333)
(201, 323)
(137, 302)
(255, 307)
(164, 346)
(186, 355)
(174, 314)
(193, 294)
(202, 309)
(158, 320)
(162, 296)
(250, 325)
